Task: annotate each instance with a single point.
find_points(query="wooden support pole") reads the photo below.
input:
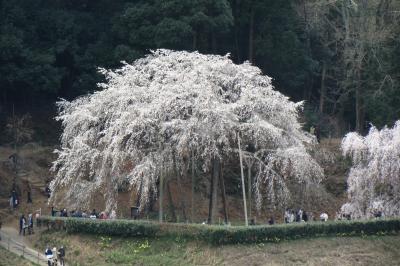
(243, 186)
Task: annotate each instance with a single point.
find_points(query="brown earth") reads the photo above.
(35, 161)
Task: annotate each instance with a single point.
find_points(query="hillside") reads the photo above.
(35, 161)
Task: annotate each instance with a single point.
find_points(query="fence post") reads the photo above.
(8, 243)
(38, 257)
(23, 251)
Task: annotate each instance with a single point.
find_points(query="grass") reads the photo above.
(103, 250)
(8, 258)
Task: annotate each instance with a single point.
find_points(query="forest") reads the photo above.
(340, 56)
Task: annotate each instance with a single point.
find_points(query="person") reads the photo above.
(252, 221)
(292, 216)
(53, 211)
(30, 224)
(93, 214)
(61, 255)
(287, 216)
(47, 191)
(323, 217)
(54, 251)
(64, 213)
(113, 215)
(29, 197)
(305, 217)
(22, 223)
(37, 216)
(49, 255)
(312, 130)
(271, 221)
(11, 203)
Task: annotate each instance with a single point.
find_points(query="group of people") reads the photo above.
(84, 214)
(55, 256)
(300, 215)
(26, 224)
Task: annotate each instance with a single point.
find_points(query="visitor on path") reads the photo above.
(323, 217)
(22, 224)
(37, 216)
(271, 221)
(292, 216)
(29, 197)
(64, 213)
(53, 211)
(113, 215)
(299, 215)
(103, 216)
(287, 216)
(49, 255)
(47, 191)
(305, 217)
(93, 215)
(30, 224)
(11, 200)
(61, 255)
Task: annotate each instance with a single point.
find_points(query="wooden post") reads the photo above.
(161, 188)
(192, 203)
(243, 187)
(249, 188)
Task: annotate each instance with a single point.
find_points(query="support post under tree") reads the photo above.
(243, 187)
(161, 189)
(192, 203)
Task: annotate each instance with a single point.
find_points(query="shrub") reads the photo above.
(218, 235)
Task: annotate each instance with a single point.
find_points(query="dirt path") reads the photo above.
(19, 245)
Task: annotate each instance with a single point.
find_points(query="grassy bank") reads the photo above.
(7, 258)
(84, 249)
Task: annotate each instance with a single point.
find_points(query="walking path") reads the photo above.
(12, 241)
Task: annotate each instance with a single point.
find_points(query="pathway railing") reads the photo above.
(21, 249)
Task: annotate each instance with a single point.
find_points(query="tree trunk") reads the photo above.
(323, 89)
(180, 196)
(171, 203)
(213, 191)
(251, 36)
(359, 107)
(223, 194)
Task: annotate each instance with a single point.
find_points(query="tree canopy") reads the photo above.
(157, 113)
(374, 179)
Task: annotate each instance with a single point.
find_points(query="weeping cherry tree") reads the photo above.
(171, 108)
(374, 179)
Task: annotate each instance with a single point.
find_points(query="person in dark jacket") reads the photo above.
(22, 223)
(271, 220)
(61, 255)
(49, 255)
